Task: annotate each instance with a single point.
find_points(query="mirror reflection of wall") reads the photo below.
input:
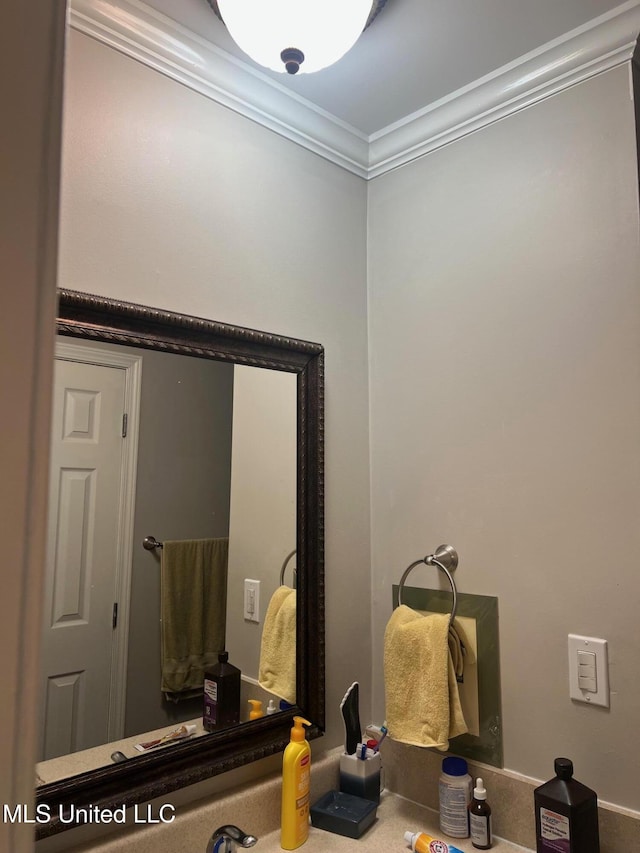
(182, 492)
(263, 500)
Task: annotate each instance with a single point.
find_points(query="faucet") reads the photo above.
(225, 838)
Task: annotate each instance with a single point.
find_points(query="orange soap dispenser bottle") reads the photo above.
(296, 781)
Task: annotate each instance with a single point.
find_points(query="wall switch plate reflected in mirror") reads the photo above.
(251, 600)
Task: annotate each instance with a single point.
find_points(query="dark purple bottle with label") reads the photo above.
(221, 695)
(566, 814)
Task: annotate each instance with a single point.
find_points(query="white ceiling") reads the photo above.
(415, 52)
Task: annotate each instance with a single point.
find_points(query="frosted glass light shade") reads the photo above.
(324, 30)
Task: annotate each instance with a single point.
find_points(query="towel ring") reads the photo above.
(445, 558)
(284, 566)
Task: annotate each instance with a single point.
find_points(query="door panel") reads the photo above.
(85, 492)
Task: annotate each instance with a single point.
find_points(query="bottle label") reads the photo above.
(480, 829)
(454, 817)
(554, 831)
(210, 702)
(211, 689)
(304, 780)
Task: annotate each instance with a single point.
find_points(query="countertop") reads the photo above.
(255, 807)
(395, 816)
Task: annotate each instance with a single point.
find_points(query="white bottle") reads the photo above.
(454, 788)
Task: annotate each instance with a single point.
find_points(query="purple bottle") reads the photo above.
(566, 814)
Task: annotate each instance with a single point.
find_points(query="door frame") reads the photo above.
(105, 356)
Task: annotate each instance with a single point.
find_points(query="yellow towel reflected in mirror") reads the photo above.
(277, 672)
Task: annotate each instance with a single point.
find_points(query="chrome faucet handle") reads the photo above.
(225, 839)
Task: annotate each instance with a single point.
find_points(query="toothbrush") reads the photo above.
(385, 732)
(178, 734)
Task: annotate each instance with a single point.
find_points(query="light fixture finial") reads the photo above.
(292, 58)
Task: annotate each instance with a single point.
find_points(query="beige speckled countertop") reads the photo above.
(253, 802)
(395, 816)
(255, 807)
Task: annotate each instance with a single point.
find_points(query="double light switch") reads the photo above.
(588, 670)
(587, 675)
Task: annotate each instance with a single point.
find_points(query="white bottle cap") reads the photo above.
(408, 837)
(479, 792)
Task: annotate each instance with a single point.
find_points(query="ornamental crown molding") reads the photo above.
(140, 32)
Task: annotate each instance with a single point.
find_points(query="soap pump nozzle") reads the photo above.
(297, 732)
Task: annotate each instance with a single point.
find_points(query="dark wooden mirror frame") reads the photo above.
(156, 774)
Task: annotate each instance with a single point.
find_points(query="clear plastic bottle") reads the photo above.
(480, 817)
(454, 787)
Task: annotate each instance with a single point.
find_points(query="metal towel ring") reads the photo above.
(445, 558)
(284, 566)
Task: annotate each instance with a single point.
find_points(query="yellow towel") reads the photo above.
(277, 671)
(193, 611)
(421, 692)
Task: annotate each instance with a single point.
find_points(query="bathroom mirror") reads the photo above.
(97, 320)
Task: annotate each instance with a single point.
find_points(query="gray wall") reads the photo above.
(182, 492)
(262, 528)
(505, 410)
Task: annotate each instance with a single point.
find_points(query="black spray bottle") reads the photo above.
(566, 814)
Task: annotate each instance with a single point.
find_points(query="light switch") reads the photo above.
(587, 660)
(587, 683)
(588, 670)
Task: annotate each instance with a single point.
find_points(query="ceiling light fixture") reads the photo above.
(296, 35)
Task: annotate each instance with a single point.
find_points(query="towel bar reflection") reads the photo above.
(445, 558)
(284, 566)
(150, 543)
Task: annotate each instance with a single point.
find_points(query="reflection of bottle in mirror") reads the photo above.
(221, 695)
(256, 709)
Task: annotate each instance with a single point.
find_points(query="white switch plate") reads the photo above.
(598, 647)
(251, 600)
